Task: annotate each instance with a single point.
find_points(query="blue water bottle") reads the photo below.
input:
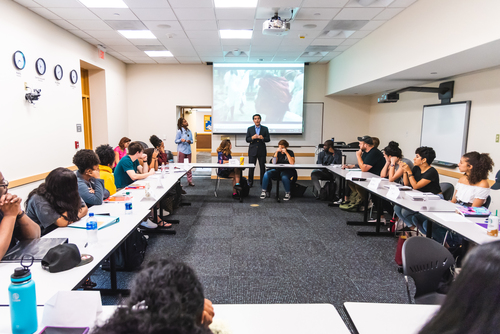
(22, 298)
(91, 229)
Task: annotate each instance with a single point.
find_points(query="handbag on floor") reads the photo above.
(130, 254)
(399, 250)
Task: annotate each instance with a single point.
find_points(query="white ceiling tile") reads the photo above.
(317, 13)
(388, 13)
(161, 34)
(114, 13)
(119, 41)
(191, 3)
(262, 53)
(232, 13)
(115, 54)
(179, 43)
(402, 3)
(296, 41)
(350, 41)
(299, 25)
(206, 48)
(203, 34)
(307, 59)
(168, 60)
(236, 24)
(63, 24)
(61, 3)
(307, 34)
(147, 3)
(376, 3)
(128, 61)
(145, 42)
(358, 13)
(195, 13)
(92, 41)
(280, 3)
(267, 40)
(236, 59)
(195, 25)
(210, 53)
(79, 33)
(360, 34)
(44, 12)
(189, 60)
(163, 25)
(332, 55)
(125, 48)
(324, 3)
(245, 48)
(212, 59)
(235, 41)
(125, 24)
(104, 34)
(342, 48)
(265, 13)
(372, 25)
(291, 48)
(287, 54)
(74, 13)
(182, 52)
(154, 14)
(135, 54)
(205, 41)
(328, 41)
(143, 60)
(28, 3)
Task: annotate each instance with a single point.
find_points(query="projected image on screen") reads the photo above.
(275, 91)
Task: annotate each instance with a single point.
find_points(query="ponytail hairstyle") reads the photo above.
(60, 189)
(179, 123)
(155, 141)
(481, 165)
(225, 147)
(393, 150)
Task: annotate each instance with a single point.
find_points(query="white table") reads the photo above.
(397, 319)
(250, 318)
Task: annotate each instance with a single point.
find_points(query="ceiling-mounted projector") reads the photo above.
(276, 26)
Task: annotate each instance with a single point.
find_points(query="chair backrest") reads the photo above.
(487, 202)
(425, 260)
(448, 189)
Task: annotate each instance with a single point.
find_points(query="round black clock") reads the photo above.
(40, 66)
(73, 76)
(58, 72)
(19, 60)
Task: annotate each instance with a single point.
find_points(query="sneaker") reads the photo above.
(148, 224)
(263, 194)
(382, 220)
(287, 197)
(338, 202)
(238, 187)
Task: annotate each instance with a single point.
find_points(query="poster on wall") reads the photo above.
(208, 123)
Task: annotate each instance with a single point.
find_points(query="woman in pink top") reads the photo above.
(121, 150)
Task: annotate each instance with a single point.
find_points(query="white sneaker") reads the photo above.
(382, 220)
(149, 224)
(338, 202)
(287, 197)
(263, 194)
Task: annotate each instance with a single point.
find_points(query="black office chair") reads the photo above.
(144, 145)
(426, 261)
(487, 202)
(448, 190)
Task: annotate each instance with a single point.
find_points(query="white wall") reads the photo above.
(36, 139)
(401, 121)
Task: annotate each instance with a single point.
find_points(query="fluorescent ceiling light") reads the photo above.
(236, 34)
(137, 34)
(159, 53)
(104, 3)
(235, 3)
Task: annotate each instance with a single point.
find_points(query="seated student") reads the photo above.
(223, 156)
(422, 177)
(165, 297)
(90, 185)
(56, 202)
(393, 155)
(329, 156)
(128, 169)
(121, 150)
(472, 189)
(471, 305)
(282, 156)
(163, 156)
(106, 157)
(14, 224)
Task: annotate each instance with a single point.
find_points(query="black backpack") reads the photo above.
(327, 193)
(130, 254)
(245, 188)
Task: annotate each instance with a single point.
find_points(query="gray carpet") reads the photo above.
(299, 251)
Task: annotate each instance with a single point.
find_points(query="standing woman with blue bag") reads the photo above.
(184, 139)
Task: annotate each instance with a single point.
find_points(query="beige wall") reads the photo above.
(401, 121)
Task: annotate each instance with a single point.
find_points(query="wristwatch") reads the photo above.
(19, 216)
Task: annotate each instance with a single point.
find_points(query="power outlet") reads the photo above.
(497, 138)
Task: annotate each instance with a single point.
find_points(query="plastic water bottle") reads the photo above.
(171, 166)
(22, 299)
(163, 170)
(91, 229)
(128, 208)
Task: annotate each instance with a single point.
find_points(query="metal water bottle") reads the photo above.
(22, 300)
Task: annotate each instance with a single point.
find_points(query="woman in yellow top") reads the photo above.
(107, 158)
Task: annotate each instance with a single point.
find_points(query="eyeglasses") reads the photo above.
(4, 184)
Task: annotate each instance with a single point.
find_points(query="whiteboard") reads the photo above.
(313, 129)
(445, 128)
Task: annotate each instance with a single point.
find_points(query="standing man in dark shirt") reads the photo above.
(257, 136)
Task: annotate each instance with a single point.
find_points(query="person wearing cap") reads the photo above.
(14, 224)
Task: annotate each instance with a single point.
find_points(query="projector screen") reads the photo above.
(445, 128)
(275, 91)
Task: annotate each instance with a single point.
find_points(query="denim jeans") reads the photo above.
(285, 175)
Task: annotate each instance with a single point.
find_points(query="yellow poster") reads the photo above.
(208, 123)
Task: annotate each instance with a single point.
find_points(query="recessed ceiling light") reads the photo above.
(159, 53)
(104, 3)
(317, 14)
(236, 34)
(137, 34)
(310, 26)
(434, 72)
(235, 4)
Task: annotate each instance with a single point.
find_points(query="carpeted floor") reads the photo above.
(299, 251)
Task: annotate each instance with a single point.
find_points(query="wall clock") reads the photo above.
(73, 76)
(40, 66)
(19, 60)
(58, 72)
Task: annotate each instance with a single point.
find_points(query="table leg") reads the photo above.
(365, 216)
(278, 190)
(377, 232)
(428, 234)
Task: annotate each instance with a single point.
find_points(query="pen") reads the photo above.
(86, 244)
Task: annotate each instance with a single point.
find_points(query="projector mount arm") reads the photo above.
(444, 91)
